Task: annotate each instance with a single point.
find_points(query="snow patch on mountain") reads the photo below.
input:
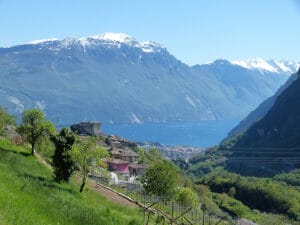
(17, 102)
(42, 41)
(150, 46)
(107, 39)
(190, 101)
(134, 118)
(272, 66)
(115, 37)
(257, 63)
(287, 66)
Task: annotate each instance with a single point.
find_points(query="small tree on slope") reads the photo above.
(34, 126)
(86, 153)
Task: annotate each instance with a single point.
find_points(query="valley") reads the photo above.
(149, 113)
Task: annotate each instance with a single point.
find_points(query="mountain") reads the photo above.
(115, 79)
(262, 109)
(272, 144)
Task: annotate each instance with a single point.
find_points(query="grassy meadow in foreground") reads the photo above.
(29, 196)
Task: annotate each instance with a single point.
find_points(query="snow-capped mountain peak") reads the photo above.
(272, 66)
(115, 37)
(110, 39)
(120, 38)
(106, 39)
(256, 63)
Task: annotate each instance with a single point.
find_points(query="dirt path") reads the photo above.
(40, 159)
(110, 195)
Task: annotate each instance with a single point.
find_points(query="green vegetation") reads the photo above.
(202, 164)
(46, 149)
(151, 156)
(271, 145)
(186, 196)
(259, 199)
(258, 193)
(62, 161)
(161, 179)
(5, 119)
(29, 196)
(86, 153)
(34, 126)
(292, 178)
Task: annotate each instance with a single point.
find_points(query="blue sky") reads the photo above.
(195, 31)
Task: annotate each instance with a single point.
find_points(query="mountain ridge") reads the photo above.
(271, 144)
(117, 82)
(262, 109)
(271, 65)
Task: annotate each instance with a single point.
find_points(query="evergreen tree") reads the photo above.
(62, 161)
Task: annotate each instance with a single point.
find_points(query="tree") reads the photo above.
(34, 126)
(62, 161)
(5, 119)
(186, 196)
(85, 154)
(142, 154)
(161, 179)
(232, 192)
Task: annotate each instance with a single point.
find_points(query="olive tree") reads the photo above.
(161, 179)
(35, 126)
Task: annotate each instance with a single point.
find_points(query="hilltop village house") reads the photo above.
(136, 169)
(123, 158)
(125, 161)
(124, 154)
(118, 165)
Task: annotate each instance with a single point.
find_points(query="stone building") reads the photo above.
(87, 128)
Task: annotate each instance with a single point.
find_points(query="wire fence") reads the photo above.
(164, 210)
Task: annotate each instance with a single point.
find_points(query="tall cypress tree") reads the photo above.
(62, 161)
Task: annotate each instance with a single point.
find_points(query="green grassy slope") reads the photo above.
(28, 196)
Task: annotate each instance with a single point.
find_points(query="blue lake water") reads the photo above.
(198, 134)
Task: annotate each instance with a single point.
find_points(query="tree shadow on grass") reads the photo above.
(23, 153)
(46, 182)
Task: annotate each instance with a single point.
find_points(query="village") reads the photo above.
(175, 152)
(124, 160)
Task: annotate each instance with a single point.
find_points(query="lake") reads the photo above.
(198, 134)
